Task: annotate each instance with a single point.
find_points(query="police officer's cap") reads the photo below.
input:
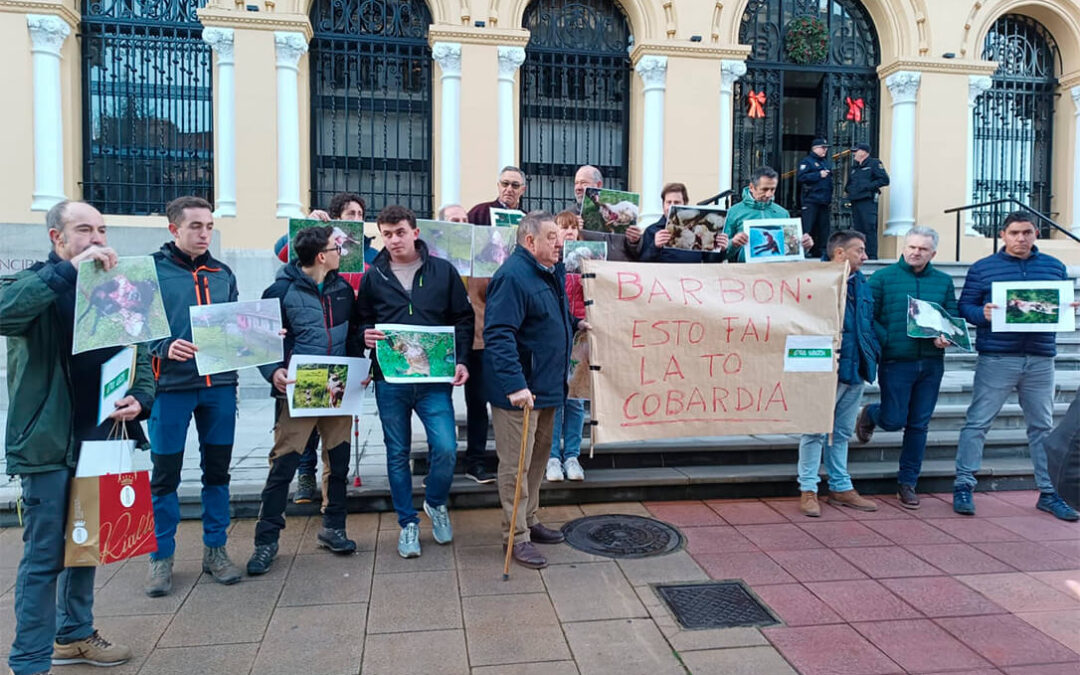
(819, 141)
(865, 147)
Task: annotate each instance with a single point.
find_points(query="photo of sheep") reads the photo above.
(452, 242)
(929, 320)
(118, 307)
(580, 384)
(491, 247)
(505, 217)
(235, 335)
(326, 386)
(1033, 306)
(774, 240)
(414, 354)
(574, 252)
(604, 210)
(694, 228)
(347, 234)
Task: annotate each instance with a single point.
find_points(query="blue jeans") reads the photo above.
(435, 407)
(51, 601)
(214, 409)
(814, 447)
(569, 419)
(909, 393)
(1032, 377)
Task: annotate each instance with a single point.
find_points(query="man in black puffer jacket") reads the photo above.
(316, 308)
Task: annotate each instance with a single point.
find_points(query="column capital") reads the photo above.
(1075, 92)
(47, 32)
(653, 71)
(510, 59)
(977, 85)
(289, 47)
(904, 86)
(448, 56)
(220, 40)
(730, 71)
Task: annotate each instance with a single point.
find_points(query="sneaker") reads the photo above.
(94, 650)
(864, 426)
(408, 542)
(261, 559)
(962, 502)
(441, 530)
(907, 496)
(852, 499)
(554, 471)
(480, 475)
(573, 469)
(306, 490)
(159, 577)
(215, 561)
(1051, 502)
(336, 541)
(808, 505)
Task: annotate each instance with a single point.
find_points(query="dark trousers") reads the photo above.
(310, 459)
(909, 393)
(815, 222)
(864, 219)
(477, 412)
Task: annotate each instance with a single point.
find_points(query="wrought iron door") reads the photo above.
(1014, 120)
(147, 105)
(371, 102)
(575, 97)
(842, 89)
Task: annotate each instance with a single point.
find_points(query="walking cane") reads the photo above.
(517, 489)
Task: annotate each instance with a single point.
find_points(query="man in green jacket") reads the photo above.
(911, 368)
(52, 409)
(757, 204)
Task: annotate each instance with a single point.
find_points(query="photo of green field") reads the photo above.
(1032, 305)
(319, 385)
(236, 335)
(604, 210)
(450, 241)
(118, 307)
(412, 355)
(346, 234)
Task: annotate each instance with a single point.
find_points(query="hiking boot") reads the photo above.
(95, 650)
(216, 563)
(440, 523)
(336, 541)
(907, 496)
(852, 499)
(808, 505)
(480, 475)
(159, 577)
(527, 555)
(306, 489)
(1052, 503)
(408, 542)
(573, 469)
(962, 502)
(864, 426)
(541, 534)
(261, 559)
(554, 472)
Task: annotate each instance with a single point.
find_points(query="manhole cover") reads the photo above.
(622, 536)
(719, 604)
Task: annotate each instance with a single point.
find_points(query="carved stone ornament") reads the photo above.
(510, 59)
(47, 32)
(220, 40)
(448, 56)
(903, 86)
(289, 47)
(652, 70)
(730, 71)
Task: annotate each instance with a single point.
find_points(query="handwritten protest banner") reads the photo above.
(712, 350)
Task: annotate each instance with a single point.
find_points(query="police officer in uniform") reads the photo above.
(865, 181)
(815, 175)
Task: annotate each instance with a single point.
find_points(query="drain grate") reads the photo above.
(718, 604)
(621, 536)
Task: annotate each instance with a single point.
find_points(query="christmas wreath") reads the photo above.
(807, 40)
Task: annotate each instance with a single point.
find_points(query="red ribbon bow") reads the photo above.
(855, 109)
(757, 104)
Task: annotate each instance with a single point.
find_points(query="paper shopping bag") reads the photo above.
(110, 518)
(98, 458)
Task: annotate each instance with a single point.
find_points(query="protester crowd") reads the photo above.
(513, 336)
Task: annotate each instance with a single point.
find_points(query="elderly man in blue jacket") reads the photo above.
(1009, 361)
(528, 330)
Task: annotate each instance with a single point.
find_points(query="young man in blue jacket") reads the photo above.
(189, 276)
(859, 352)
(1008, 361)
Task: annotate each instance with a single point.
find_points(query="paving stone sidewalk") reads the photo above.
(862, 593)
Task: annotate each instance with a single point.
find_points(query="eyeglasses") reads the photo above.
(509, 184)
(332, 248)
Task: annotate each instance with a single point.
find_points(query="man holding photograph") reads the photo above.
(316, 307)
(655, 240)
(1010, 361)
(621, 247)
(405, 285)
(189, 276)
(757, 204)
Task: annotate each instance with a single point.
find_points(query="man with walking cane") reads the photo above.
(528, 330)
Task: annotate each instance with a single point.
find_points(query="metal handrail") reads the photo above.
(715, 199)
(1008, 200)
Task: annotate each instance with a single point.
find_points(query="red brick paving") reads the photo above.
(830, 650)
(920, 645)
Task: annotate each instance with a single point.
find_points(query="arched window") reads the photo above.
(147, 105)
(575, 97)
(793, 92)
(371, 102)
(1014, 119)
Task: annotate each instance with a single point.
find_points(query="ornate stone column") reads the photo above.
(221, 41)
(977, 84)
(904, 88)
(730, 71)
(510, 59)
(1075, 91)
(288, 48)
(653, 73)
(47, 35)
(448, 56)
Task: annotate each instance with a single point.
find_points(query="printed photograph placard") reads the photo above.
(1032, 306)
(347, 234)
(326, 386)
(505, 217)
(575, 252)
(452, 242)
(929, 320)
(118, 307)
(117, 374)
(580, 384)
(416, 354)
(774, 240)
(604, 210)
(694, 228)
(491, 247)
(235, 335)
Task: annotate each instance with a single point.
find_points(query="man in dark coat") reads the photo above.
(865, 180)
(815, 175)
